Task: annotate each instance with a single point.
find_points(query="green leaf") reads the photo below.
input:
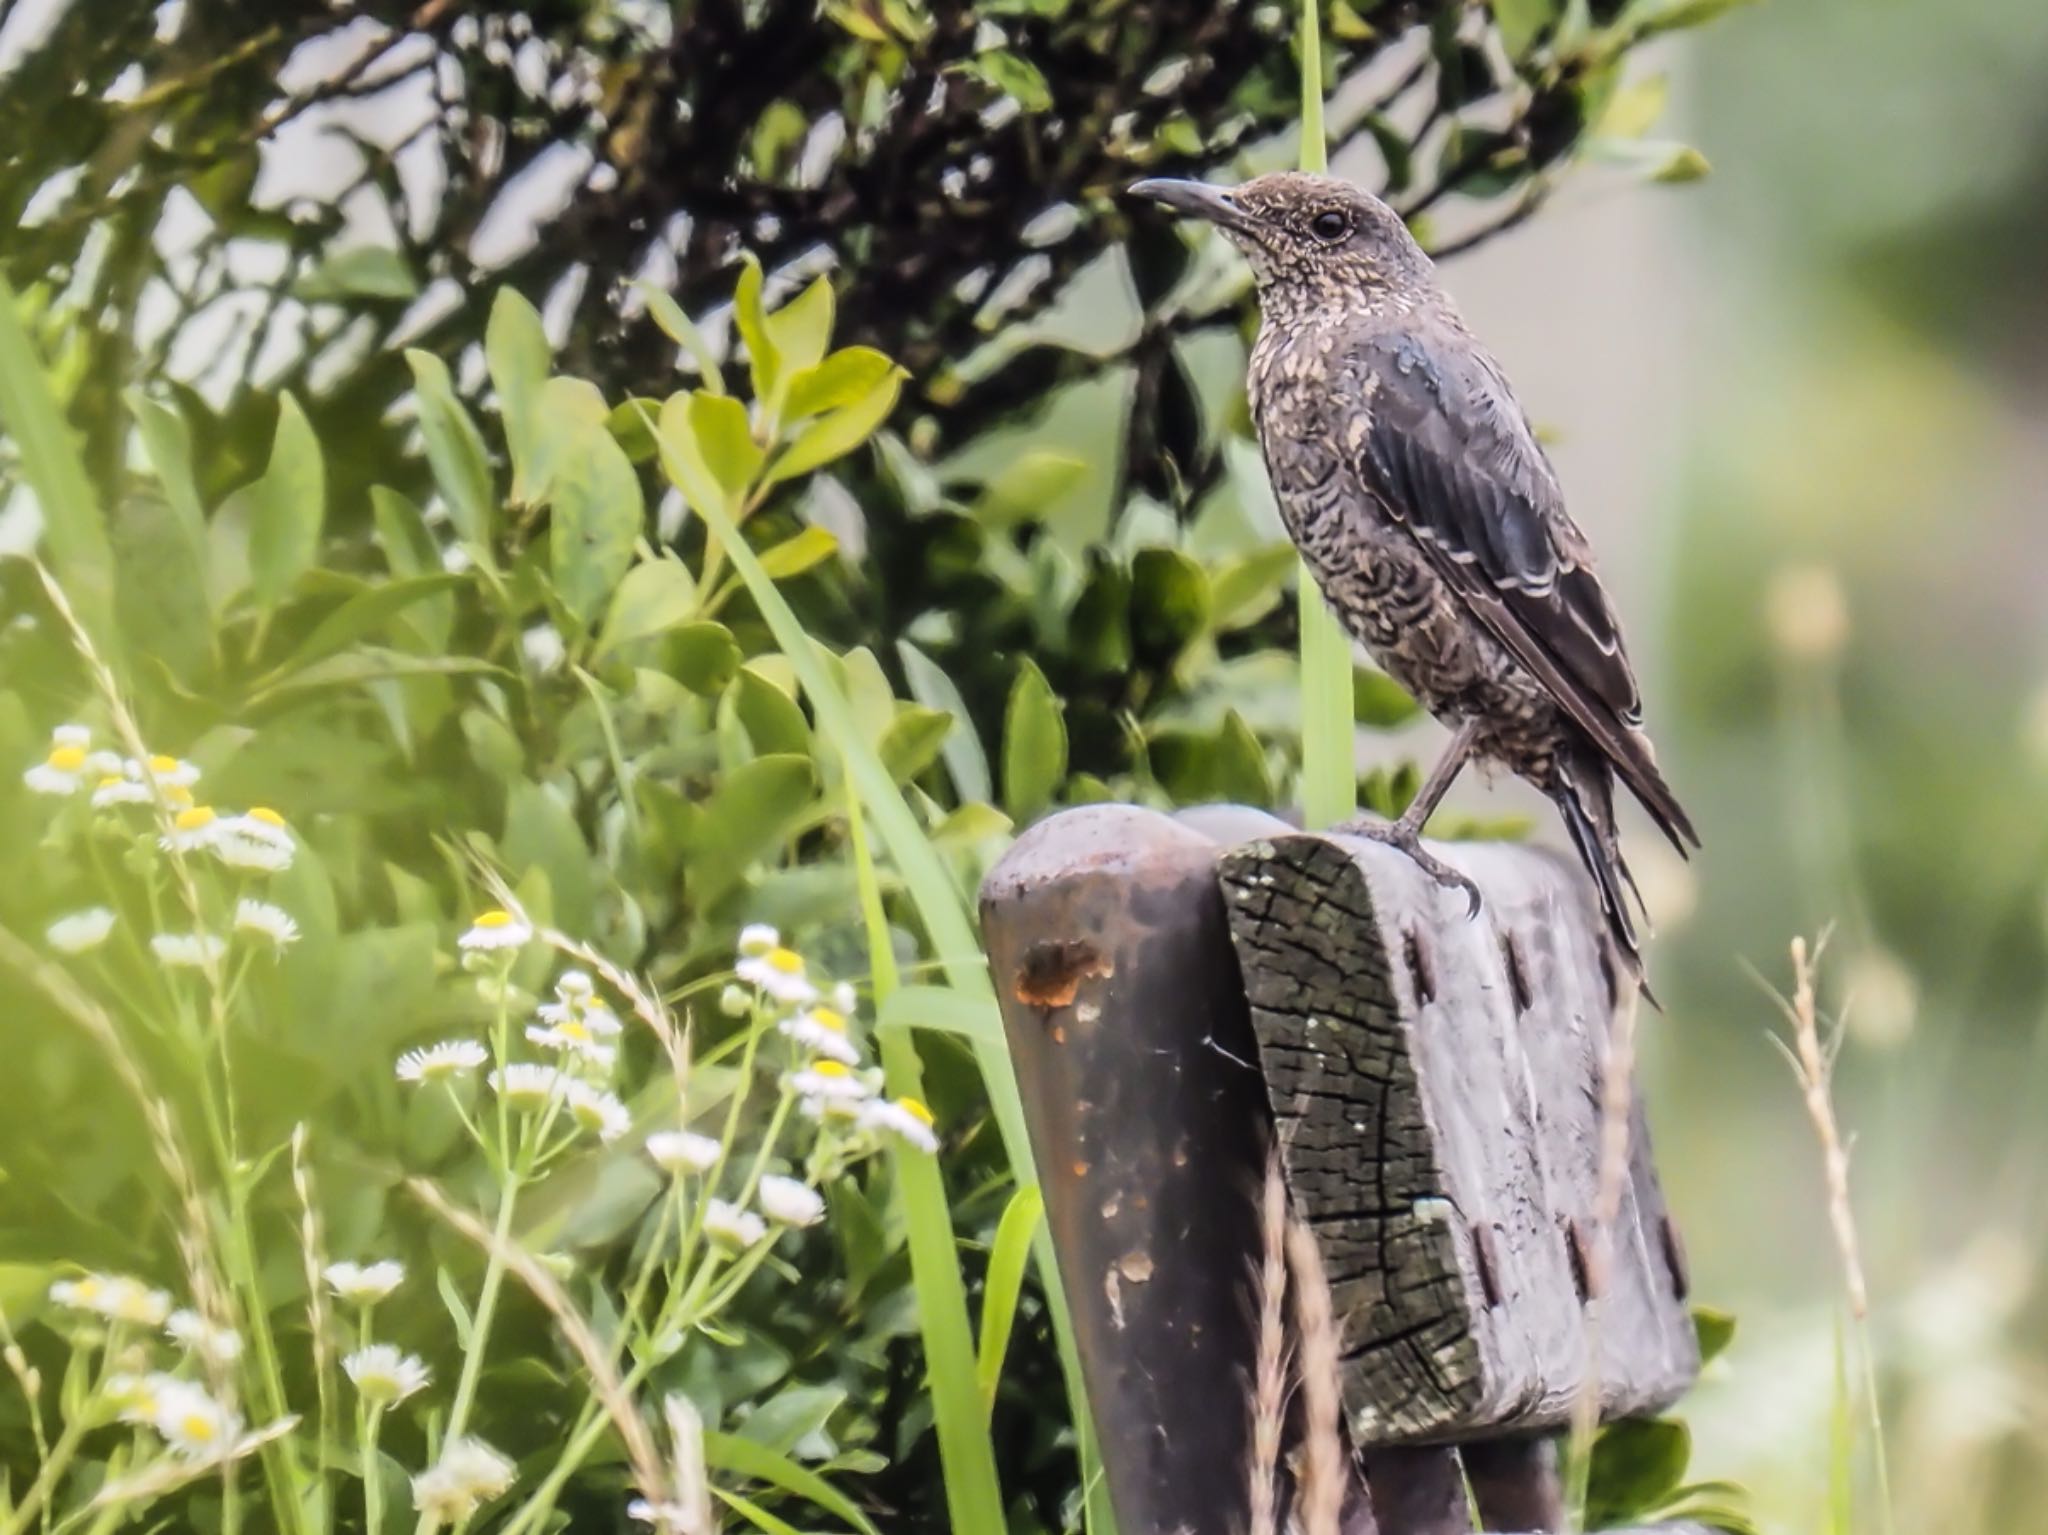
(1169, 600)
(1520, 21)
(754, 1514)
(368, 271)
(598, 513)
(795, 555)
(365, 614)
(455, 450)
(1240, 767)
(844, 377)
(371, 663)
(168, 443)
(756, 806)
(679, 328)
(762, 361)
(943, 1010)
(627, 421)
(1379, 701)
(703, 657)
(655, 596)
(838, 432)
(792, 1415)
(965, 759)
(1715, 1331)
(1647, 18)
(518, 354)
(1637, 1463)
(912, 741)
(774, 721)
(726, 441)
(683, 455)
(745, 1458)
(1246, 589)
(800, 329)
(286, 507)
(1026, 485)
(1005, 1287)
(73, 526)
(1012, 74)
(1034, 745)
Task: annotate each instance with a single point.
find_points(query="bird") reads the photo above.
(1408, 476)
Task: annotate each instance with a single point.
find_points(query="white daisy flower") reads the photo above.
(385, 1374)
(81, 931)
(261, 919)
(496, 930)
(683, 1151)
(788, 1202)
(205, 1340)
(193, 1424)
(102, 764)
(72, 735)
(187, 951)
(573, 1039)
(134, 1398)
(116, 1297)
(758, 938)
(598, 1111)
(667, 1518)
(528, 1087)
(257, 841)
(575, 986)
(779, 973)
(845, 999)
(735, 1001)
(829, 1090)
(444, 1062)
(468, 1475)
(59, 773)
(171, 772)
(193, 830)
(906, 1119)
(117, 789)
(730, 1226)
(822, 1031)
(364, 1284)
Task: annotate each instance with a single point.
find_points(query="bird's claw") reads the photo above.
(1394, 834)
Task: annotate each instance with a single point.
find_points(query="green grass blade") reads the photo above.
(1329, 774)
(1005, 1287)
(73, 529)
(943, 1011)
(743, 1457)
(974, 1497)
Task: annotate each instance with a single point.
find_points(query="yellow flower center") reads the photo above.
(110, 781)
(88, 1288)
(161, 764)
(788, 961)
(197, 1426)
(495, 919)
(196, 817)
(575, 1030)
(67, 759)
(831, 1069)
(827, 1018)
(266, 815)
(178, 794)
(916, 1110)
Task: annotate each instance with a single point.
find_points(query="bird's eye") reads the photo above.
(1330, 226)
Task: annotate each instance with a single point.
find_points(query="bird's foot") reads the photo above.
(1409, 840)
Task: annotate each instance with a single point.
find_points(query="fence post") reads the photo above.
(1181, 994)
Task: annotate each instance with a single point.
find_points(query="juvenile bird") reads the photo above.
(1414, 487)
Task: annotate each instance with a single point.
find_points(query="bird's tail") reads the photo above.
(1585, 793)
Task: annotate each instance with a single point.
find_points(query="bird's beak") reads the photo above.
(1197, 199)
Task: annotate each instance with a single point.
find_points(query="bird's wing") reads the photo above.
(1450, 455)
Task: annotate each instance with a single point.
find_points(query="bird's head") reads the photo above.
(1311, 238)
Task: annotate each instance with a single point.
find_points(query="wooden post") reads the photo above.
(1177, 992)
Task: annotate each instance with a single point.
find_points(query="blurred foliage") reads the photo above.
(232, 211)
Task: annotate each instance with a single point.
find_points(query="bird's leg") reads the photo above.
(1406, 833)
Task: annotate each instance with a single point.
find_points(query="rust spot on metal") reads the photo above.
(1487, 1262)
(1518, 974)
(1080, 1169)
(1059, 1034)
(1051, 973)
(1673, 1244)
(1421, 967)
(1135, 1267)
(1578, 1252)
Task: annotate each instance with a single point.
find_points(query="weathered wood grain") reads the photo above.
(1437, 1082)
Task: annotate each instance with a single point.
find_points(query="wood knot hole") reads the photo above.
(1421, 965)
(1518, 973)
(1051, 972)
